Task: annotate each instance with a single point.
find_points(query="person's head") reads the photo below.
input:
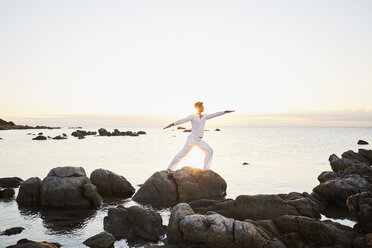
(199, 107)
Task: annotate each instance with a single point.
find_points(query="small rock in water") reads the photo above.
(187, 130)
(12, 231)
(10, 182)
(64, 135)
(25, 243)
(7, 193)
(141, 132)
(59, 137)
(181, 128)
(40, 133)
(217, 129)
(101, 240)
(1, 138)
(40, 137)
(362, 142)
(245, 163)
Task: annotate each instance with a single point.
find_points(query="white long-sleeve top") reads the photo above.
(197, 122)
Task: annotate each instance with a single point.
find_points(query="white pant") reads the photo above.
(192, 141)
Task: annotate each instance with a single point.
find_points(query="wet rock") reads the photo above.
(217, 129)
(13, 231)
(187, 131)
(245, 163)
(301, 231)
(25, 243)
(362, 142)
(69, 188)
(181, 128)
(355, 156)
(7, 193)
(40, 137)
(327, 175)
(134, 224)
(360, 206)
(101, 240)
(336, 191)
(261, 207)
(29, 192)
(165, 189)
(141, 132)
(186, 228)
(59, 137)
(103, 132)
(111, 184)
(10, 182)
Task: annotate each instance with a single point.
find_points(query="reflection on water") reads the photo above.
(60, 221)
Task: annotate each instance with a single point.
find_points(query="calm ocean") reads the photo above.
(281, 160)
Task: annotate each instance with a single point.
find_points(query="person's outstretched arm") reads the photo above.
(188, 118)
(210, 116)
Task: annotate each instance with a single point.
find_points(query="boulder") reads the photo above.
(301, 231)
(355, 156)
(111, 184)
(261, 207)
(40, 137)
(164, 189)
(326, 175)
(134, 224)
(13, 231)
(10, 182)
(7, 193)
(362, 142)
(336, 191)
(29, 192)
(103, 132)
(25, 243)
(59, 137)
(360, 206)
(69, 188)
(186, 228)
(101, 240)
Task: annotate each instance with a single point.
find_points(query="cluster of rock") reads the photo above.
(202, 217)
(40, 136)
(81, 133)
(9, 125)
(351, 174)
(7, 185)
(116, 132)
(69, 188)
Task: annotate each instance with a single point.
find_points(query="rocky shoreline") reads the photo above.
(200, 214)
(9, 125)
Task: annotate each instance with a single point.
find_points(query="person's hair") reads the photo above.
(198, 104)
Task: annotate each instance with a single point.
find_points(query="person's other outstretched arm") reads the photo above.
(179, 122)
(210, 116)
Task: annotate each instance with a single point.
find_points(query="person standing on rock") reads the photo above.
(195, 138)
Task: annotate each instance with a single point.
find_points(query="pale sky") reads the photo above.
(156, 58)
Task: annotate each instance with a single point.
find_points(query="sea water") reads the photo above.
(280, 160)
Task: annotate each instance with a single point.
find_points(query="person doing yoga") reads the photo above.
(195, 138)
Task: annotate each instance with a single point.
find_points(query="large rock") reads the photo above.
(165, 189)
(300, 231)
(7, 193)
(186, 229)
(261, 207)
(111, 184)
(10, 182)
(29, 192)
(101, 240)
(360, 206)
(134, 224)
(336, 190)
(69, 188)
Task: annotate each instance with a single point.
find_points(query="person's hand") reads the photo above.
(168, 126)
(229, 111)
